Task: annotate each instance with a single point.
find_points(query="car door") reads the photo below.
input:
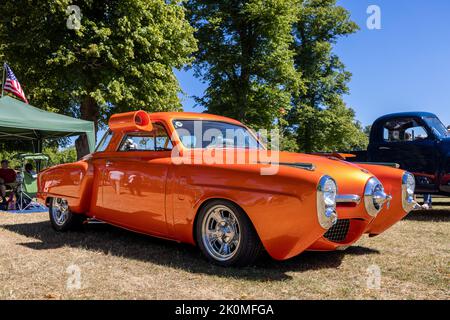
(387, 147)
(420, 151)
(134, 180)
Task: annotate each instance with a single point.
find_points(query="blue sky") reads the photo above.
(405, 66)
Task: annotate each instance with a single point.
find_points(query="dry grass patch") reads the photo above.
(413, 258)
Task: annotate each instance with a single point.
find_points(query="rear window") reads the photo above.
(155, 140)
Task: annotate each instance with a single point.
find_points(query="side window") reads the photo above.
(156, 140)
(104, 142)
(404, 129)
(415, 133)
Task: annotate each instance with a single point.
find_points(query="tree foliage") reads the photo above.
(56, 155)
(121, 58)
(271, 63)
(319, 119)
(265, 62)
(245, 57)
(333, 128)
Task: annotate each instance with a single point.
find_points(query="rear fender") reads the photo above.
(72, 182)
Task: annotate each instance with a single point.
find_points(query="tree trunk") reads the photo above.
(82, 146)
(247, 39)
(89, 111)
(308, 135)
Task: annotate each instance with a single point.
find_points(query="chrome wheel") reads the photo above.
(60, 211)
(221, 232)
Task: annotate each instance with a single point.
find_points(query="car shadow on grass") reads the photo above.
(122, 243)
(429, 215)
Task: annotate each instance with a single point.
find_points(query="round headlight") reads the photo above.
(408, 188)
(326, 202)
(374, 197)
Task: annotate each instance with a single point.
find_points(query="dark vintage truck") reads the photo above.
(417, 142)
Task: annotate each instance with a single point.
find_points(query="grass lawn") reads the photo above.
(413, 258)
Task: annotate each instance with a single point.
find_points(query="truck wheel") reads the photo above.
(61, 218)
(226, 235)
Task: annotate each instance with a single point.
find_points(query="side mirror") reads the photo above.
(131, 121)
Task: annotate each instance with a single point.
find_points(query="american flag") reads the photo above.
(12, 84)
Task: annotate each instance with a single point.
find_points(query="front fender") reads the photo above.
(282, 208)
(391, 179)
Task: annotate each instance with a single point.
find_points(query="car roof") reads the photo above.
(169, 116)
(416, 114)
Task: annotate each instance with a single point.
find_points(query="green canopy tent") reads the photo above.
(21, 121)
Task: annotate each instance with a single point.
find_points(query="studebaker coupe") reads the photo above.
(164, 174)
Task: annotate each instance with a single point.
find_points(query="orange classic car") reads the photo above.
(209, 181)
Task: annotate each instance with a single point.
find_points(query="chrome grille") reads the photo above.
(338, 232)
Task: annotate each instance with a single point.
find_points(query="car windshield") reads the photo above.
(202, 134)
(437, 126)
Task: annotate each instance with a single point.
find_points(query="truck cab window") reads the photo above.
(403, 130)
(415, 134)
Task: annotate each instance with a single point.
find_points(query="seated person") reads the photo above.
(129, 145)
(30, 171)
(7, 175)
(408, 137)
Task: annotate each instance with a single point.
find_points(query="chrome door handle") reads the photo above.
(109, 163)
(384, 148)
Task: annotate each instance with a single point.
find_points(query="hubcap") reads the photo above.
(60, 211)
(221, 232)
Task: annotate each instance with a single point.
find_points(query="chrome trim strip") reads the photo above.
(384, 164)
(298, 165)
(348, 198)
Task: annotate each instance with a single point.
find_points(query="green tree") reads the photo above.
(56, 155)
(319, 119)
(60, 155)
(245, 57)
(120, 58)
(367, 130)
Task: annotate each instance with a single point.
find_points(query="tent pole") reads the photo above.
(39, 146)
(3, 79)
(39, 150)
